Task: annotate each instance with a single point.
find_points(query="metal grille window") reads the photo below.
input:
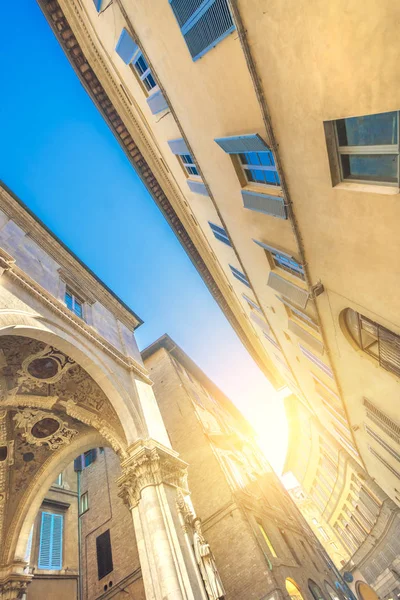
(368, 148)
(377, 341)
(73, 303)
(143, 71)
(239, 275)
(188, 164)
(259, 167)
(204, 23)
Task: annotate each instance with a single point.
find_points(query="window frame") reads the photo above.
(245, 167)
(86, 508)
(141, 77)
(187, 165)
(74, 299)
(381, 149)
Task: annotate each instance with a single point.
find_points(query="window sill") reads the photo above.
(367, 187)
(270, 190)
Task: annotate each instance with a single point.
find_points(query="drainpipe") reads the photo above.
(80, 581)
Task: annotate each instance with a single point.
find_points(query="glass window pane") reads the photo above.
(141, 65)
(68, 300)
(78, 308)
(149, 82)
(371, 130)
(370, 167)
(266, 159)
(271, 177)
(186, 158)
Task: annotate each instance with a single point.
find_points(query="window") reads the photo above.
(383, 421)
(266, 539)
(252, 304)
(279, 259)
(306, 317)
(318, 362)
(51, 542)
(239, 275)
(375, 340)
(315, 590)
(220, 233)
(85, 460)
(204, 23)
(104, 554)
(59, 480)
(84, 503)
(334, 546)
(143, 72)
(368, 148)
(290, 546)
(293, 590)
(89, 457)
(73, 303)
(131, 54)
(259, 167)
(188, 164)
(323, 533)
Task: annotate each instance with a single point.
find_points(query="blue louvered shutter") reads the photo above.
(51, 537)
(126, 47)
(97, 4)
(178, 146)
(204, 23)
(78, 466)
(237, 144)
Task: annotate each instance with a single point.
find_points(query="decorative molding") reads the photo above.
(6, 261)
(57, 360)
(61, 311)
(150, 464)
(103, 427)
(44, 428)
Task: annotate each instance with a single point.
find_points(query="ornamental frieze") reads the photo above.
(43, 428)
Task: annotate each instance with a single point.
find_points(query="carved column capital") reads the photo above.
(150, 464)
(14, 588)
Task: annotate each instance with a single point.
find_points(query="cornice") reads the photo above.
(85, 58)
(77, 324)
(71, 266)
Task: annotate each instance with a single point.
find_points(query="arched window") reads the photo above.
(293, 590)
(333, 593)
(315, 590)
(374, 339)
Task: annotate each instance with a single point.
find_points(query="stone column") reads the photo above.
(152, 476)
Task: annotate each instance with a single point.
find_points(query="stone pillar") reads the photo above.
(152, 476)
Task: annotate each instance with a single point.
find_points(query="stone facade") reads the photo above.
(233, 491)
(71, 379)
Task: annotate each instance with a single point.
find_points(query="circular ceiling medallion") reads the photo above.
(28, 456)
(45, 428)
(43, 368)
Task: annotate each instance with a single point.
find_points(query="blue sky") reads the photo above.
(60, 158)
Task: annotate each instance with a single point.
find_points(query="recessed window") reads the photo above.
(259, 167)
(143, 71)
(74, 303)
(104, 554)
(59, 480)
(220, 233)
(51, 542)
(266, 539)
(84, 503)
(375, 340)
(368, 148)
(188, 164)
(239, 275)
